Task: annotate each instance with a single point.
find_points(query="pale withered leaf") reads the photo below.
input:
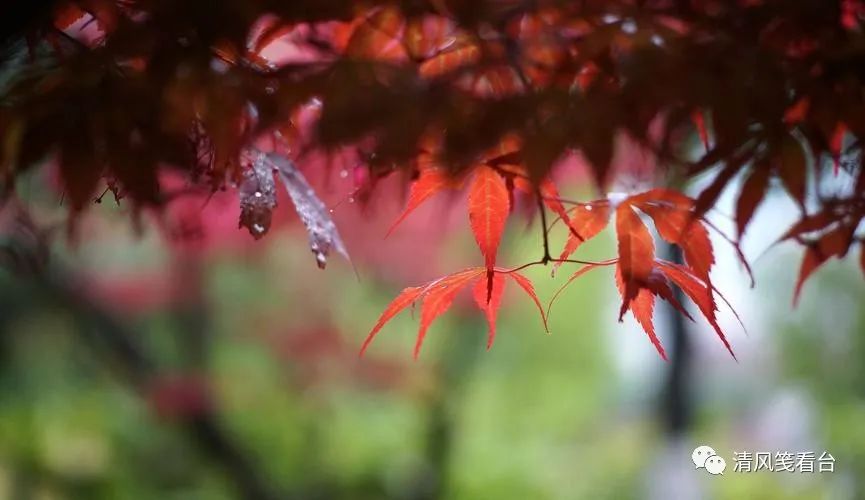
(257, 197)
(323, 234)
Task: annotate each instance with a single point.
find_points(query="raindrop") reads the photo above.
(343, 173)
(218, 66)
(629, 27)
(320, 259)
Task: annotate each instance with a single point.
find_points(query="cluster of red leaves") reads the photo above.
(489, 93)
(640, 276)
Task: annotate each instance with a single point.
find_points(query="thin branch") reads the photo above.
(547, 257)
(607, 262)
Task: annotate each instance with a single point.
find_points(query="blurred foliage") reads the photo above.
(537, 417)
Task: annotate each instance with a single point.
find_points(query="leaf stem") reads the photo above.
(546, 257)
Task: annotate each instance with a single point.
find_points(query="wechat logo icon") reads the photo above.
(704, 457)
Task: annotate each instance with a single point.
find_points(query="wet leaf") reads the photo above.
(257, 192)
(323, 234)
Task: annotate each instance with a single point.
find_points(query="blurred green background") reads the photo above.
(237, 376)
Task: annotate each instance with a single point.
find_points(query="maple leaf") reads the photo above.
(642, 307)
(431, 180)
(425, 36)
(489, 301)
(488, 206)
(826, 234)
(460, 55)
(437, 297)
(639, 276)
(753, 190)
(378, 37)
(700, 294)
(547, 191)
(833, 243)
(585, 221)
(658, 284)
(674, 218)
(636, 253)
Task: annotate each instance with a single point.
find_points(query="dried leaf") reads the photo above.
(257, 193)
(323, 234)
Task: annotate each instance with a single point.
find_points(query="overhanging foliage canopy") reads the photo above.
(489, 96)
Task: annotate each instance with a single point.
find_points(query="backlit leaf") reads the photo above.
(700, 294)
(403, 300)
(642, 307)
(585, 222)
(636, 253)
(488, 207)
(489, 303)
(431, 181)
(527, 286)
(437, 299)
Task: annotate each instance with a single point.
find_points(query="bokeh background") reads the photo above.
(172, 356)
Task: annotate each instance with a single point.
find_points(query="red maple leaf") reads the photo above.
(437, 297)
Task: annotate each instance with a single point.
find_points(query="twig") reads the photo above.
(547, 257)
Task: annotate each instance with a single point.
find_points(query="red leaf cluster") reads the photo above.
(485, 94)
